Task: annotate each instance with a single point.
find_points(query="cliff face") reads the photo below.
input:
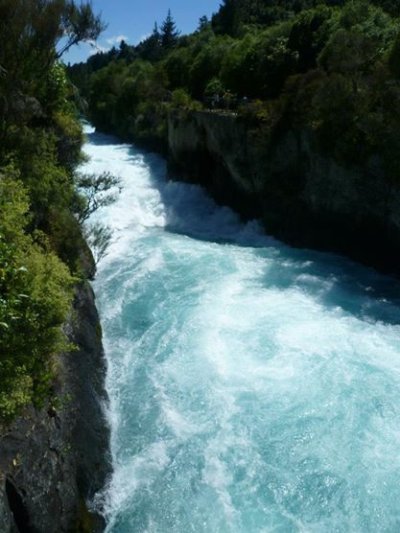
(302, 196)
(54, 460)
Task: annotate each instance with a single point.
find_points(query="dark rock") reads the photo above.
(55, 459)
(91, 433)
(6, 519)
(301, 195)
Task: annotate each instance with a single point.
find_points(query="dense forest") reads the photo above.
(332, 66)
(43, 253)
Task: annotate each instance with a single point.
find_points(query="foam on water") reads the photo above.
(253, 387)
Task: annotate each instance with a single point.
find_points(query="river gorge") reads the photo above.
(253, 386)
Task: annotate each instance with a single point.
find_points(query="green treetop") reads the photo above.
(169, 33)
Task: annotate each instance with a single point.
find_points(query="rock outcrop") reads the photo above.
(302, 195)
(54, 460)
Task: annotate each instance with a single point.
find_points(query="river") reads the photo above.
(254, 387)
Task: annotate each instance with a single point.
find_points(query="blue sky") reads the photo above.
(133, 20)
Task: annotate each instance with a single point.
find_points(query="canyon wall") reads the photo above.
(302, 195)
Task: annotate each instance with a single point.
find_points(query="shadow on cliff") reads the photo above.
(335, 281)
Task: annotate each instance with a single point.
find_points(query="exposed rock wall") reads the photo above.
(52, 461)
(302, 196)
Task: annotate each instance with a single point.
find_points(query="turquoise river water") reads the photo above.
(253, 387)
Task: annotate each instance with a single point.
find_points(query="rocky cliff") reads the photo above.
(53, 460)
(302, 195)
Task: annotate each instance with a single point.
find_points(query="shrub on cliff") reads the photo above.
(36, 293)
(42, 250)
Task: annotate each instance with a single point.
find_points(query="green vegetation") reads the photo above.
(330, 66)
(42, 251)
(36, 292)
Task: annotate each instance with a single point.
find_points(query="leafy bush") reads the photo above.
(35, 298)
(41, 242)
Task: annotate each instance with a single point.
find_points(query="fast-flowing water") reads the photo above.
(253, 387)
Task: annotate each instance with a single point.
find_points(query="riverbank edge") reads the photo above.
(301, 195)
(53, 461)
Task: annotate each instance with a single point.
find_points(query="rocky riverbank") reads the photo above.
(54, 460)
(302, 195)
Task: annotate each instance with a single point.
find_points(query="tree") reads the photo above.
(79, 23)
(31, 35)
(307, 36)
(150, 48)
(394, 58)
(95, 193)
(204, 23)
(99, 238)
(169, 33)
(225, 21)
(126, 52)
(349, 53)
(156, 34)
